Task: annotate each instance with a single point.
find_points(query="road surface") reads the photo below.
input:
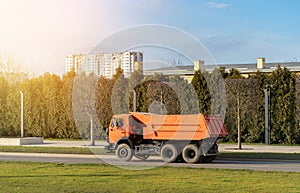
(264, 165)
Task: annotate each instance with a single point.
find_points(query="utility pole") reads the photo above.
(270, 111)
(239, 123)
(92, 133)
(22, 114)
(266, 117)
(134, 100)
(161, 102)
(267, 92)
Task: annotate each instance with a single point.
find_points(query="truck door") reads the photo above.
(116, 130)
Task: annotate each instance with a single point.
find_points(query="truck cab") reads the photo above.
(123, 128)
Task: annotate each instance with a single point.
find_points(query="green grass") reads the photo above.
(62, 150)
(51, 177)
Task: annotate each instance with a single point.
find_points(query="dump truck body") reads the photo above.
(150, 134)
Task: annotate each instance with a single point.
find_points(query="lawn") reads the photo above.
(51, 177)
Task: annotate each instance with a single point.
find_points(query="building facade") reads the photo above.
(246, 69)
(73, 62)
(105, 64)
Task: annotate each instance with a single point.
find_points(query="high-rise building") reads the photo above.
(73, 62)
(105, 64)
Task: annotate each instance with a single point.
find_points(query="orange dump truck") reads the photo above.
(191, 138)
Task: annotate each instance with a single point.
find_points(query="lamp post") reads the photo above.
(22, 114)
(161, 102)
(134, 100)
(239, 122)
(267, 92)
(266, 117)
(90, 115)
(92, 133)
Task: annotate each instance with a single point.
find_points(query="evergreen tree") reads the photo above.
(258, 135)
(297, 133)
(120, 93)
(200, 85)
(34, 108)
(142, 99)
(67, 127)
(52, 104)
(4, 87)
(187, 98)
(283, 106)
(218, 93)
(3, 100)
(12, 114)
(103, 100)
(233, 74)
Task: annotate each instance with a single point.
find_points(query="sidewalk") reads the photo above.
(259, 148)
(79, 144)
(222, 147)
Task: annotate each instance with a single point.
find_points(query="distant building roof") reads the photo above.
(245, 68)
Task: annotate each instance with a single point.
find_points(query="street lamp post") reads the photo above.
(134, 100)
(161, 102)
(268, 114)
(92, 133)
(22, 114)
(239, 123)
(90, 115)
(266, 117)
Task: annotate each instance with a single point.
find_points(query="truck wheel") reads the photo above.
(124, 152)
(191, 154)
(169, 153)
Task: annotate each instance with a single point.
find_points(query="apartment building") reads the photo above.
(105, 64)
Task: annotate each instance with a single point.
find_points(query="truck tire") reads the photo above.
(169, 153)
(191, 153)
(124, 152)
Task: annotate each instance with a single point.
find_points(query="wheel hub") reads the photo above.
(123, 152)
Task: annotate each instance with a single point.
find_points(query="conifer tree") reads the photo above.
(200, 85)
(283, 106)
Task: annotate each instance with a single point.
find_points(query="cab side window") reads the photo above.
(117, 122)
(120, 122)
(113, 122)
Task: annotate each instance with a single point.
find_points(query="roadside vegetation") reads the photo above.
(51, 102)
(51, 177)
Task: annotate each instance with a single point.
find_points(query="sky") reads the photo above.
(40, 33)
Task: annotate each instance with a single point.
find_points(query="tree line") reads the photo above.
(65, 107)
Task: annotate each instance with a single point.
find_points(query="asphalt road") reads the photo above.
(264, 165)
